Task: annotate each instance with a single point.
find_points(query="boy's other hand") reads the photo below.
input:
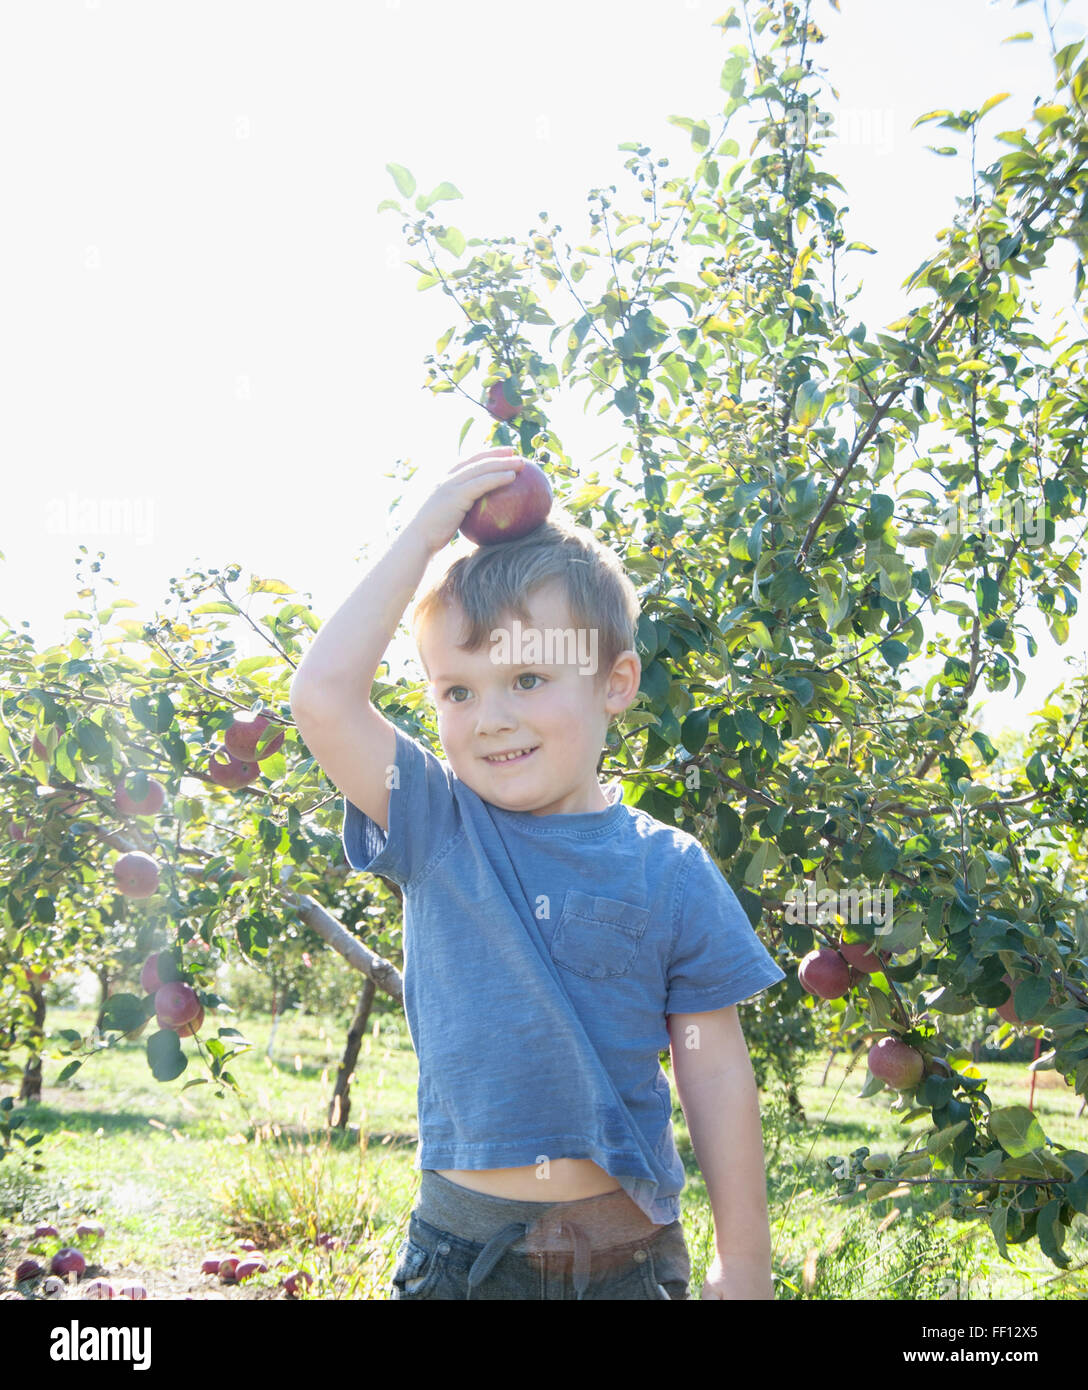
(440, 517)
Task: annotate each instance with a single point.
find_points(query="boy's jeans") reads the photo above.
(463, 1244)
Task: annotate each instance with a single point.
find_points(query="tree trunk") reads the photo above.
(105, 980)
(31, 1088)
(340, 1105)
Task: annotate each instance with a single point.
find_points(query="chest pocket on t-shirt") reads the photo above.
(597, 938)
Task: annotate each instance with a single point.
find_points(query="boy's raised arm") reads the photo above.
(331, 689)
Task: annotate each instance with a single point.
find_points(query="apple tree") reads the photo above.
(795, 490)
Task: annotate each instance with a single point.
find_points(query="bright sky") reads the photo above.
(206, 319)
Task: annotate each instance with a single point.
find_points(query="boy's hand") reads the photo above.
(437, 521)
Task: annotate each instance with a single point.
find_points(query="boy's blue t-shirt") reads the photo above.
(541, 956)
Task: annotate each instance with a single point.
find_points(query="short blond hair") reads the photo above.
(496, 580)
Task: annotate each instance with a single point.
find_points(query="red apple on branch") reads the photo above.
(511, 511)
(498, 407)
(900, 1066)
(233, 772)
(136, 875)
(241, 739)
(176, 1004)
(824, 973)
(1006, 1010)
(862, 956)
(190, 1029)
(150, 980)
(130, 805)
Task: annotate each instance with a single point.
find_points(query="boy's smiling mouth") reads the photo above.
(500, 760)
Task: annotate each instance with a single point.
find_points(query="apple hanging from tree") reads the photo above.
(130, 804)
(862, 956)
(823, 972)
(176, 1004)
(900, 1066)
(190, 1029)
(232, 773)
(241, 739)
(1006, 1010)
(136, 875)
(150, 980)
(498, 407)
(511, 511)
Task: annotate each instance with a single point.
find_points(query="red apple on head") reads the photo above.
(136, 875)
(823, 972)
(511, 511)
(233, 772)
(243, 736)
(498, 407)
(176, 1004)
(862, 956)
(130, 804)
(900, 1066)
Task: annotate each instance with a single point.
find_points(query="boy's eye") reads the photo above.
(523, 675)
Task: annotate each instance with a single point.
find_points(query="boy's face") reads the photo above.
(505, 697)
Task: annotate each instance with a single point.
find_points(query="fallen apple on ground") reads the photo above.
(28, 1269)
(295, 1283)
(68, 1261)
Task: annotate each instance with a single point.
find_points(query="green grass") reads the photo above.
(175, 1174)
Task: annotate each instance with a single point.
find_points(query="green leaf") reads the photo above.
(164, 1055)
(693, 730)
(125, 1012)
(991, 102)
(930, 116)
(406, 184)
(445, 192)
(69, 1070)
(998, 1221)
(452, 240)
(1051, 1232)
(1016, 1129)
(808, 404)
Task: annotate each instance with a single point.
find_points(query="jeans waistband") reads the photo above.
(608, 1220)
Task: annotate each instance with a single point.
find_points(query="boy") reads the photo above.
(555, 939)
